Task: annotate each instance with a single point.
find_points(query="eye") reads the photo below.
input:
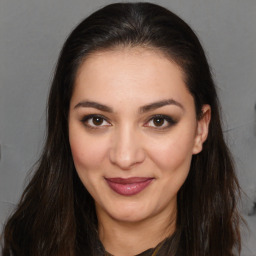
(160, 121)
(95, 121)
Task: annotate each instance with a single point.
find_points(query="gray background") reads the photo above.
(31, 35)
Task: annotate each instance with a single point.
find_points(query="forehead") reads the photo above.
(129, 73)
(128, 56)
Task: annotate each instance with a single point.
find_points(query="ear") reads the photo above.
(202, 129)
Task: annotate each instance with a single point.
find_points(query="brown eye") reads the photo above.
(158, 121)
(97, 120)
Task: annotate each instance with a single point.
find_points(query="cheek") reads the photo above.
(174, 153)
(88, 153)
(88, 156)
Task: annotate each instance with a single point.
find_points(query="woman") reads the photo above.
(134, 162)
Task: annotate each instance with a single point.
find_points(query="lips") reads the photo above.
(130, 186)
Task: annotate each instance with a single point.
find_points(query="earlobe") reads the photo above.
(202, 129)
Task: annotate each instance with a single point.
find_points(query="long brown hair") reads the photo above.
(56, 214)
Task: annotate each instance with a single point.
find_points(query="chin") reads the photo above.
(129, 213)
(130, 217)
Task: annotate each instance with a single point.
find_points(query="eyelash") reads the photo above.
(87, 118)
(168, 121)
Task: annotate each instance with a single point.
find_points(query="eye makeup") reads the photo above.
(160, 121)
(95, 121)
(157, 121)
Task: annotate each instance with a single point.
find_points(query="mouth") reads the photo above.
(130, 186)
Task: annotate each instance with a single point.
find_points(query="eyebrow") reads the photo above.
(160, 104)
(92, 104)
(143, 109)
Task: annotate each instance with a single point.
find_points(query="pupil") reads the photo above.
(97, 120)
(158, 121)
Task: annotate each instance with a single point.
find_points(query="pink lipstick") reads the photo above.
(130, 186)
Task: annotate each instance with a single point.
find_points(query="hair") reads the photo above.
(56, 215)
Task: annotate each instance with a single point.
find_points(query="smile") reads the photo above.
(130, 186)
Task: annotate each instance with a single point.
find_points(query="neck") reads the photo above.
(126, 239)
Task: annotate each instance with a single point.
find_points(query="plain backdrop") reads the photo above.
(31, 35)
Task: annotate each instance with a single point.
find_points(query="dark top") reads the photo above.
(162, 249)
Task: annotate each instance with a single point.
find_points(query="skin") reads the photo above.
(129, 142)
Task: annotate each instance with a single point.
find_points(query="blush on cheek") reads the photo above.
(172, 156)
(81, 158)
(87, 155)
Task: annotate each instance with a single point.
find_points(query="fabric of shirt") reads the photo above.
(161, 249)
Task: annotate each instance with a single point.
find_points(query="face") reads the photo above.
(133, 131)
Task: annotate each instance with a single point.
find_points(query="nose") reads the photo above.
(126, 149)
